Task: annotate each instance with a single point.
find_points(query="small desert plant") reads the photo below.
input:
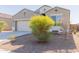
(40, 26)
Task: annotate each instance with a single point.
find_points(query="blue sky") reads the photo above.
(13, 9)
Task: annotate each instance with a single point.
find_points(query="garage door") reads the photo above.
(23, 26)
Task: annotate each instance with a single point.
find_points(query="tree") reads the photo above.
(40, 26)
(3, 25)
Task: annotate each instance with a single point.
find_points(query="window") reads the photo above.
(24, 14)
(44, 9)
(56, 18)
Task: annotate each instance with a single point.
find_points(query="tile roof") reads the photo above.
(3, 15)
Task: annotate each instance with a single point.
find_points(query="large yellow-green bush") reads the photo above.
(3, 25)
(40, 26)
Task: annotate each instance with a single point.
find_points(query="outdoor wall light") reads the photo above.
(56, 10)
(43, 14)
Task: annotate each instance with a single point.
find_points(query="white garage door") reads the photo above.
(23, 26)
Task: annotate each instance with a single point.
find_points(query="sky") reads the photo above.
(13, 9)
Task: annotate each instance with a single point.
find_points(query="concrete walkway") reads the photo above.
(4, 51)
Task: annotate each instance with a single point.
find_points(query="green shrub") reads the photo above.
(3, 25)
(40, 26)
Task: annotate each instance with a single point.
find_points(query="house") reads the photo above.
(61, 16)
(58, 14)
(21, 20)
(8, 19)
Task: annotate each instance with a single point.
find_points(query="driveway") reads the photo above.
(56, 44)
(6, 35)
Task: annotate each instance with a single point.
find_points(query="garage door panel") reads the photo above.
(23, 26)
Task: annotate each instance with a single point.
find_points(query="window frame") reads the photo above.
(56, 18)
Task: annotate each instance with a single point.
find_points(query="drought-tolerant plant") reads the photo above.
(40, 26)
(3, 25)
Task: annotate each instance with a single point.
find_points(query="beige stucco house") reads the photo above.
(21, 20)
(58, 14)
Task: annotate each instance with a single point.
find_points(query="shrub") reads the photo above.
(40, 26)
(3, 25)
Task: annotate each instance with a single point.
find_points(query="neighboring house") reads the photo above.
(74, 27)
(59, 14)
(8, 19)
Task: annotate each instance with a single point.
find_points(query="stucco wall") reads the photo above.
(24, 14)
(65, 16)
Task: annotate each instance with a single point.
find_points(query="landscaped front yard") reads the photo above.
(57, 43)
